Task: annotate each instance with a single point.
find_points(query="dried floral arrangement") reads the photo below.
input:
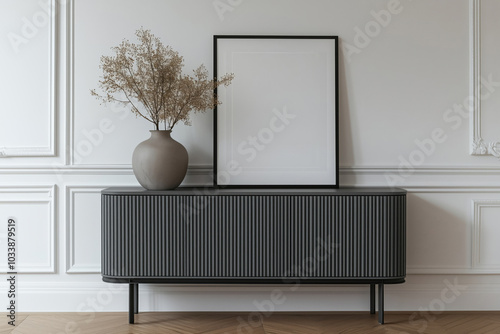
(148, 77)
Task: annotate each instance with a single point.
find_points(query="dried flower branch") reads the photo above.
(149, 76)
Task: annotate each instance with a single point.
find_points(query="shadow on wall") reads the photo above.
(345, 125)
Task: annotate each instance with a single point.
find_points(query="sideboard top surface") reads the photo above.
(209, 191)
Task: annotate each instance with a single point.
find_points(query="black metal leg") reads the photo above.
(381, 303)
(136, 299)
(131, 295)
(372, 298)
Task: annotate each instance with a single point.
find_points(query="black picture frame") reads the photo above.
(259, 62)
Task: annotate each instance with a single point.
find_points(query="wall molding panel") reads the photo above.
(479, 146)
(70, 32)
(478, 242)
(473, 223)
(77, 242)
(29, 232)
(72, 264)
(51, 108)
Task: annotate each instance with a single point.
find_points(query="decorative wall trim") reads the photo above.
(477, 206)
(37, 195)
(443, 270)
(478, 145)
(70, 42)
(71, 264)
(474, 269)
(44, 151)
(454, 189)
(479, 170)
(207, 170)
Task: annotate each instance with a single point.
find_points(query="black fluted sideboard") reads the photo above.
(254, 236)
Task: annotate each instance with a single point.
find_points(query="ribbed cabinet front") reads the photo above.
(254, 236)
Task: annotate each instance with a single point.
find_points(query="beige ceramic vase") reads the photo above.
(160, 162)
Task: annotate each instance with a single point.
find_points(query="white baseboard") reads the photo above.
(103, 297)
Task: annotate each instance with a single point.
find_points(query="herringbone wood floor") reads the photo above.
(254, 323)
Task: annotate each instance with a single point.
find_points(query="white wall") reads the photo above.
(397, 87)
